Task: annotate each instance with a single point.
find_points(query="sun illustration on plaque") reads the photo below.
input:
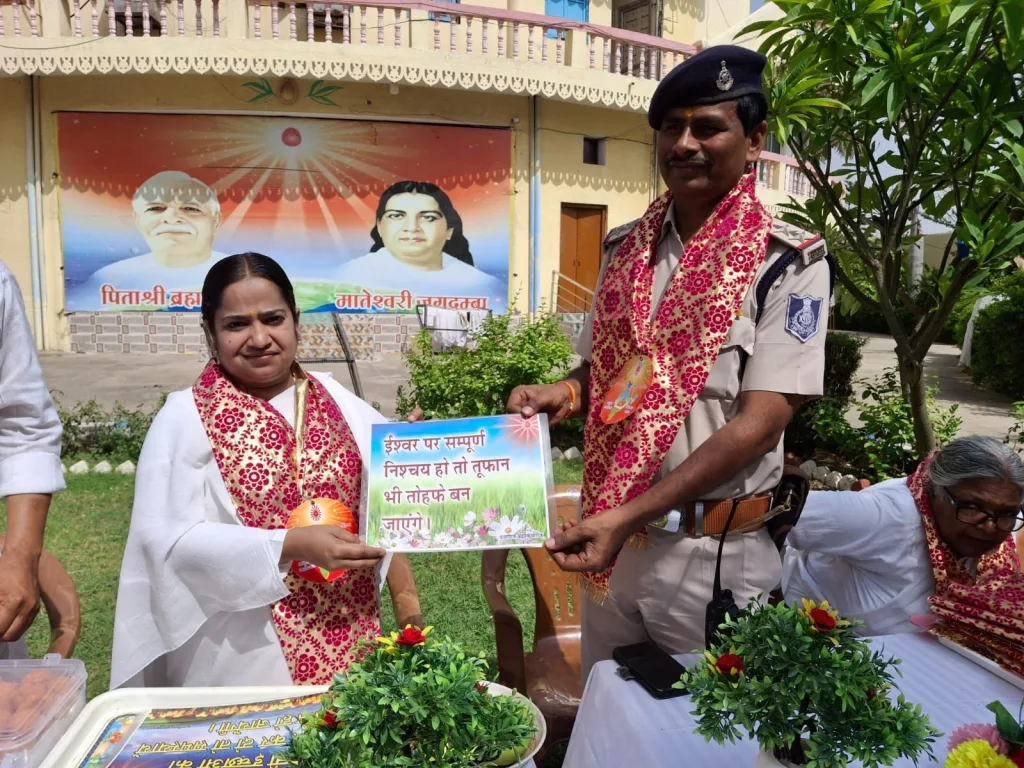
(524, 430)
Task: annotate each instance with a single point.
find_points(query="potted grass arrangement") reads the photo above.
(800, 683)
(412, 700)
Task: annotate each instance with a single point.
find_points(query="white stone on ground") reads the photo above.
(125, 468)
(103, 468)
(78, 468)
(809, 467)
(820, 473)
(832, 480)
(556, 454)
(846, 482)
(573, 453)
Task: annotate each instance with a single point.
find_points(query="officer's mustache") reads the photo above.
(689, 159)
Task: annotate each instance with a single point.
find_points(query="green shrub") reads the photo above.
(886, 438)
(505, 353)
(883, 446)
(997, 348)
(802, 685)
(94, 432)
(842, 359)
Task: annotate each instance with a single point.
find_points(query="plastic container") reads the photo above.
(39, 700)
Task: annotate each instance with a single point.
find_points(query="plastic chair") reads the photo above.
(550, 674)
(60, 600)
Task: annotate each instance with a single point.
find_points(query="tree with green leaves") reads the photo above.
(895, 107)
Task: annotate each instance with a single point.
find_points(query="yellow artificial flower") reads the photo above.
(823, 618)
(977, 754)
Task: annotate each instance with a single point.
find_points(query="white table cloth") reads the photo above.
(619, 724)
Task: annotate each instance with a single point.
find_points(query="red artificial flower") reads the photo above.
(410, 636)
(1017, 758)
(871, 693)
(481, 686)
(729, 664)
(822, 620)
(330, 719)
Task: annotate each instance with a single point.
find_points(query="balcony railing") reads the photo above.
(424, 25)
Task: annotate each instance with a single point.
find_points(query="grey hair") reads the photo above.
(976, 458)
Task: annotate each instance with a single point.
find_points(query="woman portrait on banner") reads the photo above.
(897, 550)
(419, 246)
(243, 564)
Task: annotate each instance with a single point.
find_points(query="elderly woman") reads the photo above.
(881, 554)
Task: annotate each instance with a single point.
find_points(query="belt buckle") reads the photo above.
(698, 519)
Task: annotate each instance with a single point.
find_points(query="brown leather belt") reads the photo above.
(749, 516)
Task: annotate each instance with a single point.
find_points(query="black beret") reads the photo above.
(720, 73)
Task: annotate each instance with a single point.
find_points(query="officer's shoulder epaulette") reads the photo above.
(619, 234)
(811, 247)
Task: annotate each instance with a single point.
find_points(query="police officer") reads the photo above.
(707, 334)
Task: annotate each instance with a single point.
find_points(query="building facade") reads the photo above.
(142, 139)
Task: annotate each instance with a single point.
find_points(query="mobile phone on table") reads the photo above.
(652, 667)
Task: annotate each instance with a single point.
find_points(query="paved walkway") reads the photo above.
(138, 380)
(983, 412)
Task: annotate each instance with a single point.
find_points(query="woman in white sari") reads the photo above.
(238, 570)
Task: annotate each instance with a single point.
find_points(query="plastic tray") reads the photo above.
(39, 699)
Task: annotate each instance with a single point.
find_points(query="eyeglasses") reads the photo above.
(968, 512)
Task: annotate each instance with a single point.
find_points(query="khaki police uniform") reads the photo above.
(661, 592)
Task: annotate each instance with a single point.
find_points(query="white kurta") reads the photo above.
(197, 585)
(866, 553)
(30, 430)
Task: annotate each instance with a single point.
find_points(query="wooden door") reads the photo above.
(582, 231)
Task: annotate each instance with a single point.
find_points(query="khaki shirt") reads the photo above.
(765, 357)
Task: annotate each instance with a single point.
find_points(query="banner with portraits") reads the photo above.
(364, 216)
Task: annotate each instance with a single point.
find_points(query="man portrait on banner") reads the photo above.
(419, 246)
(178, 216)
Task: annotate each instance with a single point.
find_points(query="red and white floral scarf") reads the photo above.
(692, 321)
(318, 625)
(984, 612)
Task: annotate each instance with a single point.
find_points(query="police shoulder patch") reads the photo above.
(619, 234)
(812, 247)
(803, 316)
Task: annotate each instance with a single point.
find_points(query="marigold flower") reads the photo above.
(977, 754)
(979, 732)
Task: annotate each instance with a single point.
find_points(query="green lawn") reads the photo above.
(88, 524)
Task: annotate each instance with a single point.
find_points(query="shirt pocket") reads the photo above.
(724, 380)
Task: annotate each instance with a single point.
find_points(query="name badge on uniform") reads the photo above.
(627, 391)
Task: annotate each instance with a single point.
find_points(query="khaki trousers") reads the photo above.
(661, 593)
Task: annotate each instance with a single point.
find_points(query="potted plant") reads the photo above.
(413, 701)
(988, 745)
(806, 689)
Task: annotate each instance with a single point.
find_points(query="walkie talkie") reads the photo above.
(722, 603)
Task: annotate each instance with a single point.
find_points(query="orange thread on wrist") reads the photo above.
(572, 396)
